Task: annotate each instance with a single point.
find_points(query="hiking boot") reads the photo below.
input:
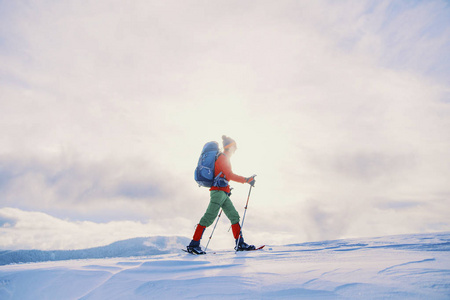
(243, 246)
(195, 250)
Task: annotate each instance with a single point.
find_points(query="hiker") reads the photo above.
(220, 198)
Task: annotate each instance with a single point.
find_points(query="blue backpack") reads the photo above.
(204, 173)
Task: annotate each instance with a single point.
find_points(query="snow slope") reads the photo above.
(395, 267)
(126, 248)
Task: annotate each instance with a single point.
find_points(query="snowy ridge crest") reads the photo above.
(142, 246)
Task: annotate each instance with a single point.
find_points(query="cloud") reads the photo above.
(97, 190)
(36, 230)
(340, 108)
(6, 222)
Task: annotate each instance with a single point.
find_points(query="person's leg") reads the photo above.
(208, 218)
(197, 236)
(216, 201)
(233, 215)
(230, 211)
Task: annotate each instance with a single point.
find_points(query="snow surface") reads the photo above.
(126, 248)
(394, 267)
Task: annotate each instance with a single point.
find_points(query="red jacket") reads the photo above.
(223, 165)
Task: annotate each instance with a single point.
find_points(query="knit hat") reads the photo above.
(227, 142)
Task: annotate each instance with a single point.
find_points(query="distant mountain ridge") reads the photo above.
(131, 247)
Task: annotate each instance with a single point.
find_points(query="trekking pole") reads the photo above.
(218, 217)
(243, 217)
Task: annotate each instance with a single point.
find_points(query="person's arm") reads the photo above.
(229, 175)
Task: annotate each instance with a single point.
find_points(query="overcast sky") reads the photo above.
(342, 109)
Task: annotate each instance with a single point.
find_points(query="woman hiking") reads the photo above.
(220, 198)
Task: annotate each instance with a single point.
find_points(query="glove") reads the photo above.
(251, 180)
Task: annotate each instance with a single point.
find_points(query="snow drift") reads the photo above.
(395, 267)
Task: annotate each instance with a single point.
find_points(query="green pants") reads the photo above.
(219, 199)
